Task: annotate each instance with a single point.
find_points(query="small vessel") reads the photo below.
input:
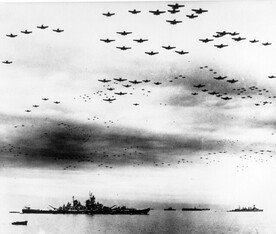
(20, 223)
(195, 209)
(170, 209)
(246, 209)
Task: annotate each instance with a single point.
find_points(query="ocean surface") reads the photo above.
(158, 221)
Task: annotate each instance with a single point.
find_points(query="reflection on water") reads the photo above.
(157, 222)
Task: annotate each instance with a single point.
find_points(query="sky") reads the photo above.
(171, 140)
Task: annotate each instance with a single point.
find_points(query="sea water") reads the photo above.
(158, 221)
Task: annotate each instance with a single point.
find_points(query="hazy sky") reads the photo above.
(181, 144)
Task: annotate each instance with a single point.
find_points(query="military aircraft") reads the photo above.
(234, 34)
(266, 44)
(194, 94)
(42, 26)
(136, 104)
(56, 102)
(7, 62)
(45, 99)
(134, 11)
(199, 86)
(127, 85)
(35, 105)
(226, 98)
(173, 22)
(220, 46)
(220, 77)
(135, 82)
(104, 80)
(58, 30)
(217, 35)
(140, 40)
(119, 79)
(254, 41)
(146, 81)
(157, 12)
(108, 14)
(271, 77)
(106, 40)
(151, 53)
(110, 89)
(168, 47)
(11, 35)
(192, 16)
(157, 83)
(27, 110)
(206, 40)
(232, 81)
(213, 93)
(173, 11)
(181, 52)
(120, 93)
(204, 90)
(238, 38)
(26, 32)
(199, 11)
(123, 48)
(175, 6)
(124, 33)
(109, 99)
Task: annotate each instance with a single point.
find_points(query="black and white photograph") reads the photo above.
(129, 117)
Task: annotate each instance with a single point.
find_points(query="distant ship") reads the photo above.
(20, 223)
(170, 209)
(245, 209)
(195, 209)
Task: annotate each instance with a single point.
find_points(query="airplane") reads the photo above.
(140, 40)
(213, 93)
(120, 93)
(194, 93)
(27, 110)
(127, 86)
(151, 53)
(234, 34)
(254, 41)
(173, 22)
(199, 11)
(135, 82)
(175, 6)
(107, 40)
(271, 77)
(226, 98)
(110, 89)
(206, 40)
(11, 35)
(256, 104)
(181, 52)
(238, 38)
(168, 47)
(123, 48)
(157, 12)
(134, 11)
(42, 26)
(199, 86)
(157, 83)
(45, 99)
(58, 30)
(104, 80)
(26, 32)
(232, 81)
(35, 105)
(136, 104)
(56, 102)
(119, 79)
(266, 44)
(220, 77)
(7, 62)
(108, 14)
(204, 90)
(173, 11)
(109, 100)
(146, 81)
(218, 35)
(124, 33)
(220, 46)
(192, 16)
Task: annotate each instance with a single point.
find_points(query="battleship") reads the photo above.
(91, 207)
(195, 209)
(170, 209)
(246, 209)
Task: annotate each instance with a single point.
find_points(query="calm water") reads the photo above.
(157, 221)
